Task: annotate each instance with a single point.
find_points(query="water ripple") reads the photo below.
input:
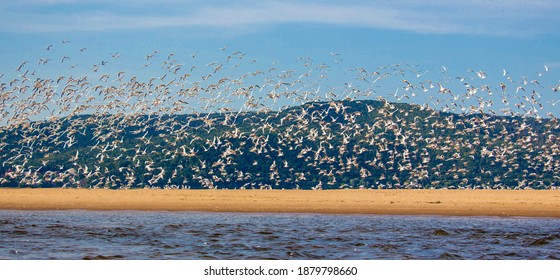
(92, 235)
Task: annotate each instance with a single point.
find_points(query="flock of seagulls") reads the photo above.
(225, 124)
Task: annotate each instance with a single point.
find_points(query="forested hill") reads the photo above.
(321, 145)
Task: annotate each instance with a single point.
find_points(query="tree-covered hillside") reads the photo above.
(319, 145)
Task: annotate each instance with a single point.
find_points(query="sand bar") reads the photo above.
(528, 203)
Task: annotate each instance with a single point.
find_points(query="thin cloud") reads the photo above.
(505, 18)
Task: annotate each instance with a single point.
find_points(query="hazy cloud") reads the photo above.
(501, 17)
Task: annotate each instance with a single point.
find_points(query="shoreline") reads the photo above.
(507, 203)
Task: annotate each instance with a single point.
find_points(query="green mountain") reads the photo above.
(320, 145)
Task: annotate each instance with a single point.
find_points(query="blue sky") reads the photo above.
(519, 36)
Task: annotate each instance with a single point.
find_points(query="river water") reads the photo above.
(198, 235)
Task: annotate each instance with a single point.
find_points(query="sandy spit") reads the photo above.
(528, 203)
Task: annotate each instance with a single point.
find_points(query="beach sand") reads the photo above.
(528, 203)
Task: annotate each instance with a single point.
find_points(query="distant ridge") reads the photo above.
(318, 145)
